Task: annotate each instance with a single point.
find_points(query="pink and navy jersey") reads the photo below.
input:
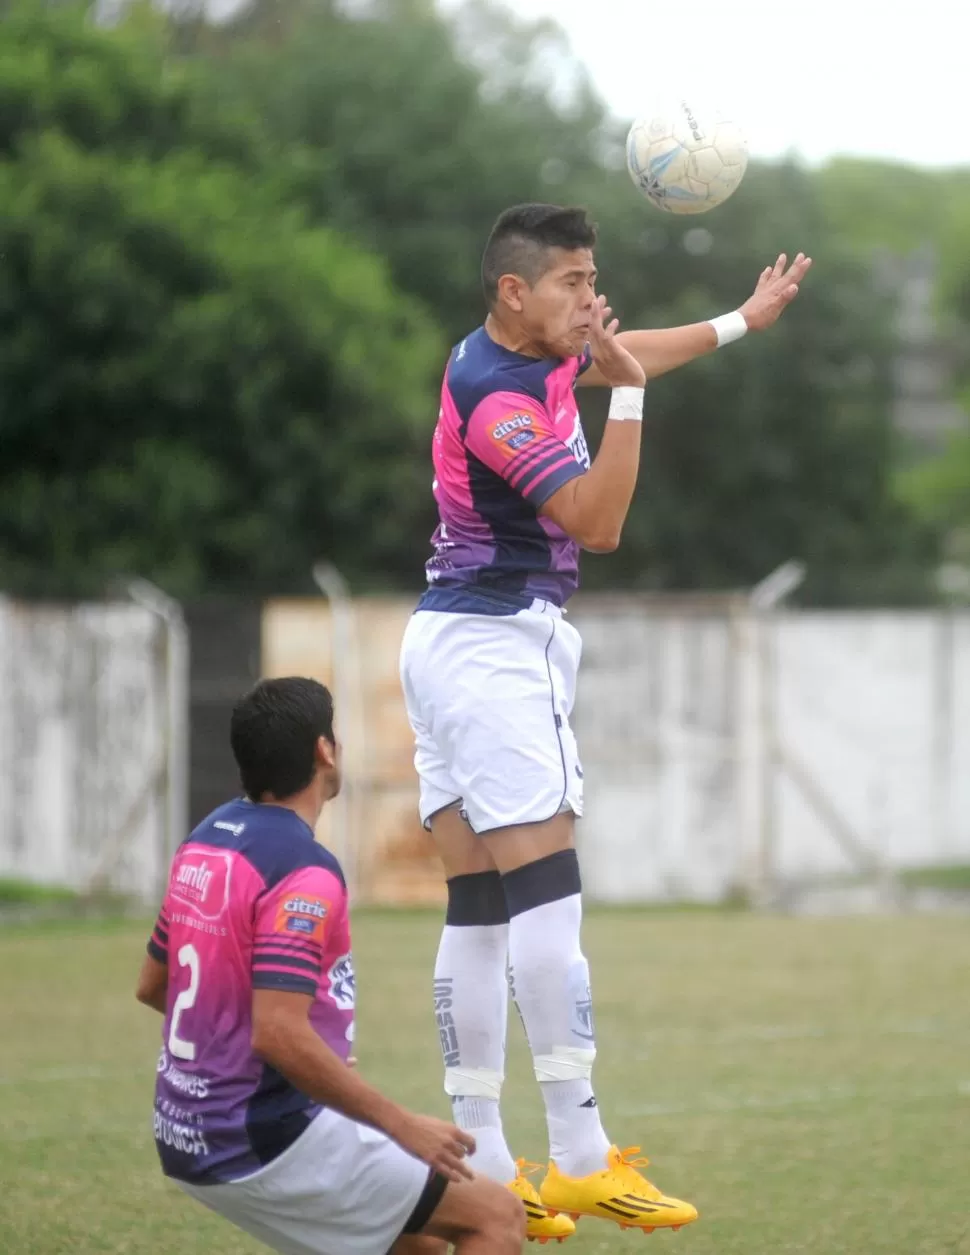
(508, 436)
(253, 902)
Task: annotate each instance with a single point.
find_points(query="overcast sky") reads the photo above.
(816, 78)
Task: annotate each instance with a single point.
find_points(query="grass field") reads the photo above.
(805, 1082)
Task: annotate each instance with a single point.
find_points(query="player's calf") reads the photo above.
(551, 987)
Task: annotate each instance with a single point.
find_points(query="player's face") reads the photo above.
(557, 310)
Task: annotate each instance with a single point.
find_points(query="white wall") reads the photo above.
(83, 753)
(720, 751)
(678, 714)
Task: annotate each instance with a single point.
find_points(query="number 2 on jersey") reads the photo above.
(188, 957)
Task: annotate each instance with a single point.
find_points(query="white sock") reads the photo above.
(471, 1007)
(550, 981)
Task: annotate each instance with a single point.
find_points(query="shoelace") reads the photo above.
(628, 1158)
(526, 1169)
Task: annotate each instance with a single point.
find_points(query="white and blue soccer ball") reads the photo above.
(686, 161)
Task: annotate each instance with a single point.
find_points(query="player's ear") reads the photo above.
(326, 753)
(511, 290)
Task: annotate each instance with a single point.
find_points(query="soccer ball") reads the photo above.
(686, 162)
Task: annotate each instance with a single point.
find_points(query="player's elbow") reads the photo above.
(582, 521)
(275, 1027)
(265, 1040)
(152, 984)
(601, 541)
(594, 535)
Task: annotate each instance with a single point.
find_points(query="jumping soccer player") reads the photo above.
(257, 1113)
(489, 665)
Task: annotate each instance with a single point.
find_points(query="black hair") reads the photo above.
(274, 731)
(522, 238)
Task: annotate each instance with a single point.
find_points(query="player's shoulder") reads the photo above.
(272, 839)
(478, 368)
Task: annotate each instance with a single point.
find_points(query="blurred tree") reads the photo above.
(195, 384)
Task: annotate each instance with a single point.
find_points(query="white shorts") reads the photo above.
(489, 699)
(340, 1189)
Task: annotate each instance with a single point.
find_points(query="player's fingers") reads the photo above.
(779, 267)
(613, 328)
(466, 1140)
(452, 1162)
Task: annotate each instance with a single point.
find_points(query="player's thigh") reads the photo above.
(479, 1206)
(513, 847)
(462, 853)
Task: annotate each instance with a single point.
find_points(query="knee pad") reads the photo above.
(547, 880)
(476, 899)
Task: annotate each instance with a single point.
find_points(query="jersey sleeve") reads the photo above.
(291, 925)
(158, 941)
(511, 433)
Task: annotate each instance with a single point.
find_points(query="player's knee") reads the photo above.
(543, 881)
(495, 1214)
(506, 1223)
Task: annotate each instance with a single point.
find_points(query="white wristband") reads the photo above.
(729, 327)
(626, 405)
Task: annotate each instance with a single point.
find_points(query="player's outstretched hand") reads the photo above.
(777, 288)
(619, 368)
(437, 1143)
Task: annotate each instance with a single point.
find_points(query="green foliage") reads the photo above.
(196, 382)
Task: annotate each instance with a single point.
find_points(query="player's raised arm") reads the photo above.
(284, 1037)
(667, 348)
(592, 508)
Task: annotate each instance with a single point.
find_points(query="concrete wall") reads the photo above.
(721, 751)
(83, 754)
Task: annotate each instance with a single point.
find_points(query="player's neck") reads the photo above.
(511, 338)
(306, 805)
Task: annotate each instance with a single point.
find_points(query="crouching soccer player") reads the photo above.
(257, 1114)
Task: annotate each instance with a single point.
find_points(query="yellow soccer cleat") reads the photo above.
(620, 1193)
(541, 1225)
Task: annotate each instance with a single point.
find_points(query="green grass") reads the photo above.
(14, 892)
(805, 1081)
(954, 878)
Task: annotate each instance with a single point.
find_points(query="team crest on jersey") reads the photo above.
(510, 425)
(302, 915)
(200, 880)
(343, 983)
